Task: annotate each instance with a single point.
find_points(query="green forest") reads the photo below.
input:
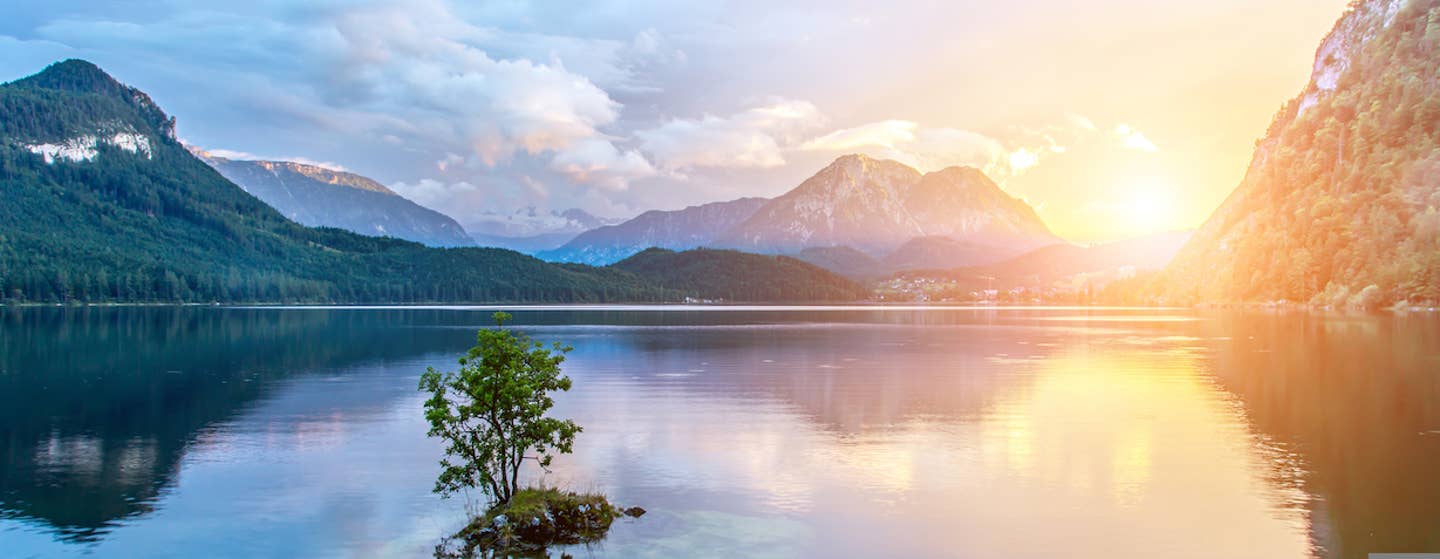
(739, 276)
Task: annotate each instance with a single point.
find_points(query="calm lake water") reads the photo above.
(216, 432)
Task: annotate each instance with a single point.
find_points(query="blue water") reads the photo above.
(750, 432)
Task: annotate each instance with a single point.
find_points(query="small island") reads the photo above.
(492, 416)
(534, 520)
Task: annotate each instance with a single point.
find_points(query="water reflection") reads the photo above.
(1354, 402)
(880, 438)
(98, 405)
(858, 432)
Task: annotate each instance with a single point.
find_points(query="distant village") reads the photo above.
(940, 287)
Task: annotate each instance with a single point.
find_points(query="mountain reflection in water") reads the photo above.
(787, 432)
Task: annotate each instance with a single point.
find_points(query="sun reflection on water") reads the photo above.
(964, 433)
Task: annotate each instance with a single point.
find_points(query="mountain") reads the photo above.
(1343, 189)
(528, 244)
(877, 206)
(944, 252)
(532, 231)
(1056, 262)
(579, 220)
(845, 261)
(899, 217)
(320, 197)
(1150, 252)
(740, 277)
(530, 221)
(101, 203)
(1055, 266)
(919, 253)
(692, 227)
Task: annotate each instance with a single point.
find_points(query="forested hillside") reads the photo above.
(740, 277)
(1343, 190)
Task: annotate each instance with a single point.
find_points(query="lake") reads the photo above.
(746, 432)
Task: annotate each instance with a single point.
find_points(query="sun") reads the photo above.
(1147, 205)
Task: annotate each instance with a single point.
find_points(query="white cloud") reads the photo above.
(432, 193)
(450, 160)
(937, 148)
(431, 68)
(926, 149)
(420, 63)
(600, 163)
(1133, 139)
(613, 65)
(883, 134)
(754, 138)
(1022, 159)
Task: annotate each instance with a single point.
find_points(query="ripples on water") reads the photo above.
(754, 432)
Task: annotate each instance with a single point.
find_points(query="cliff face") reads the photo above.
(1343, 188)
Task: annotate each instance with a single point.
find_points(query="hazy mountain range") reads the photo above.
(894, 216)
(883, 209)
(1052, 265)
(530, 230)
(859, 216)
(320, 197)
(692, 227)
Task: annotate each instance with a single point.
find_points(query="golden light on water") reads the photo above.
(1100, 438)
(1096, 434)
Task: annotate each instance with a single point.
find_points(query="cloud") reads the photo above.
(1022, 159)
(615, 65)
(600, 163)
(926, 149)
(432, 193)
(1133, 139)
(883, 134)
(650, 46)
(449, 160)
(421, 63)
(606, 105)
(754, 138)
(937, 148)
(933, 148)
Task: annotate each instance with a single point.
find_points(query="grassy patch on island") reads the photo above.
(535, 519)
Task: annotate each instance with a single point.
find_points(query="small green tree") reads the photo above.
(491, 413)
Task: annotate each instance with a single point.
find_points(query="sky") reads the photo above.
(1114, 118)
